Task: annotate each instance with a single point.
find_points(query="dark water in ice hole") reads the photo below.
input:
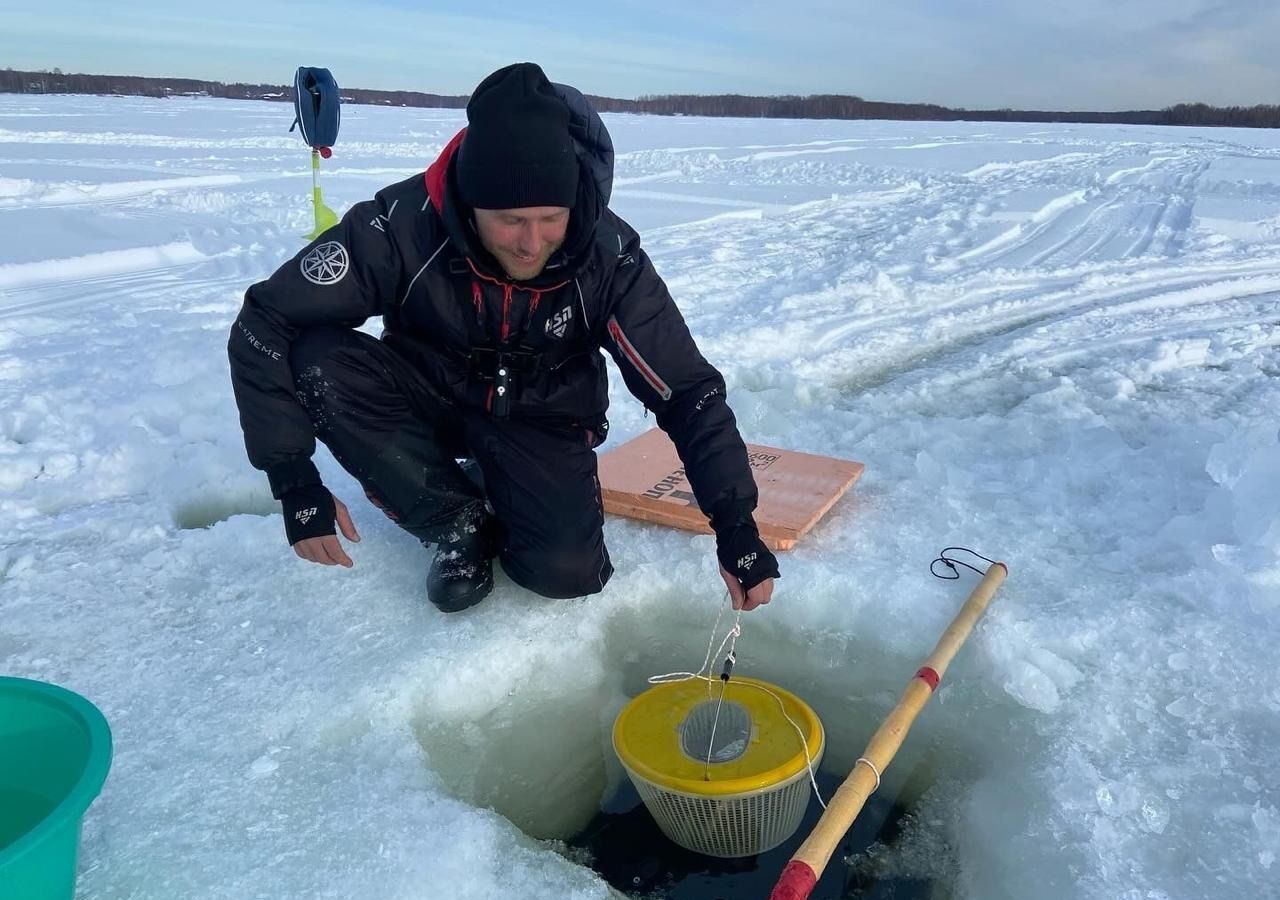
(627, 849)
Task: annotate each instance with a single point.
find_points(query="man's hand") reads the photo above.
(309, 514)
(746, 565)
(747, 600)
(327, 550)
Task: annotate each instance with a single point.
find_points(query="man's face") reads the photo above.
(522, 240)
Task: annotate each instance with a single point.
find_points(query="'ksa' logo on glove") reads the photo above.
(747, 561)
(304, 516)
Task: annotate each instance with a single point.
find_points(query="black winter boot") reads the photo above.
(461, 572)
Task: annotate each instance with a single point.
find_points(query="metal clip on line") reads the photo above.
(729, 660)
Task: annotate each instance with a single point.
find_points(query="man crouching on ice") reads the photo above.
(499, 274)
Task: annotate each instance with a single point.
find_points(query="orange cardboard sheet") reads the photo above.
(644, 479)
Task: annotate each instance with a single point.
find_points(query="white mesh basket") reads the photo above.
(731, 826)
(739, 794)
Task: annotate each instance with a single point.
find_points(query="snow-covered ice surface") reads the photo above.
(1056, 344)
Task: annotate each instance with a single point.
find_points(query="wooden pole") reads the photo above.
(806, 866)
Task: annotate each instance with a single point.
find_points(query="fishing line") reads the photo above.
(704, 673)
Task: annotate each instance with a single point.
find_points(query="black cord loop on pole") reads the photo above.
(951, 563)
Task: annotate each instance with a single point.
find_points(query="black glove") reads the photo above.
(745, 556)
(308, 512)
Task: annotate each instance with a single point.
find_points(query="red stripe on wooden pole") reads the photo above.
(796, 883)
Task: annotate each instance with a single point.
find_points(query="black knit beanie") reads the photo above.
(517, 151)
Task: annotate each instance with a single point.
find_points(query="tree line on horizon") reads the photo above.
(818, 106)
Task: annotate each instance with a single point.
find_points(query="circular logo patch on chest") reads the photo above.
(327, 263)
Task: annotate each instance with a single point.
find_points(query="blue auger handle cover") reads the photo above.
(317, 106)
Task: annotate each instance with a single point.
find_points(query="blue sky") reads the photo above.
(1083, 54)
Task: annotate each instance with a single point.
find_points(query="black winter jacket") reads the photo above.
(411, 256)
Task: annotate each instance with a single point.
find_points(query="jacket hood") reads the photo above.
(594, 149)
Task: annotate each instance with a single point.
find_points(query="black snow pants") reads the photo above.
(385, 425)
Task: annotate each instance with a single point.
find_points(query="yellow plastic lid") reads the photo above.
(646, 737)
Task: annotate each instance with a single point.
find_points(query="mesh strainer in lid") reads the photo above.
(715, 732)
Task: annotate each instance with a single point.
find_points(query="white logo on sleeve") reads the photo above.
(304, 515)
(746, 562)
(327, 263)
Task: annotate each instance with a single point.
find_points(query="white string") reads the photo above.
(872, 767)
(804, 744)
(704, 673)
(715, 723)
(736, 630)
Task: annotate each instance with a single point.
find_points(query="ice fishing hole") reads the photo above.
(205, 512)
(543, 759)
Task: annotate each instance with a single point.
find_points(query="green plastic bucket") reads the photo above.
(55, 750)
